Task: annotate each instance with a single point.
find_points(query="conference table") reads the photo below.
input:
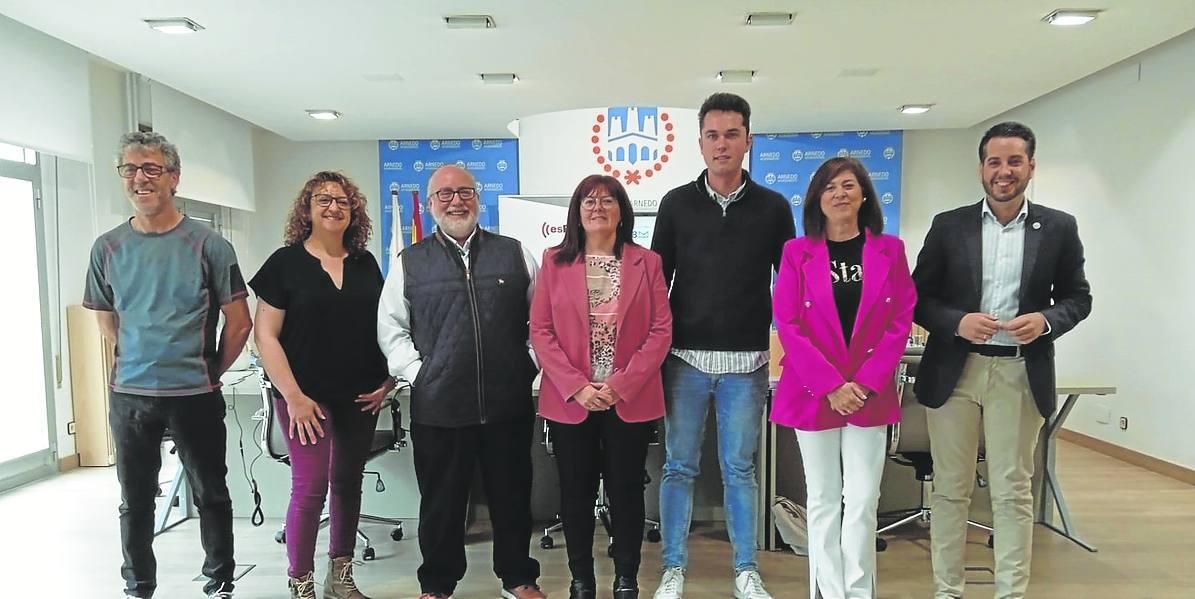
(1050, 490)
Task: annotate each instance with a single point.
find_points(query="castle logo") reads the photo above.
(632, 142)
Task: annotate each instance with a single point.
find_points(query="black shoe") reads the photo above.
(626, 587)
(582, 589)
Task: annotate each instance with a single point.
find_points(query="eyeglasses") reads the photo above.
(323, 201)
(151, 170)
(445, 195)
(607, 202)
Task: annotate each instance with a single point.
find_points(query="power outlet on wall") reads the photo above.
(1124, 423)
(70, 427)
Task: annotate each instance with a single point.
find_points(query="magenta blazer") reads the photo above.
(816, 359)
(560, 336)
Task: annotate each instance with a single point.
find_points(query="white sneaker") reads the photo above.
(221, 593)
(748, 585)
(672, 584)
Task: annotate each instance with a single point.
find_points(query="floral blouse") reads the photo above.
(602, 277)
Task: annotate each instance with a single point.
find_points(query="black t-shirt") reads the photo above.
(846, 277)
(329, 335)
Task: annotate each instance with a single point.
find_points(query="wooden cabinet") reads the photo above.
(92, 358)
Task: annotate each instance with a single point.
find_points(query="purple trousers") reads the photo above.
(332, 466)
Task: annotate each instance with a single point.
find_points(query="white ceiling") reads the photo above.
(268, 60)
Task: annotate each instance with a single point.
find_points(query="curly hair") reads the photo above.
(298, 223)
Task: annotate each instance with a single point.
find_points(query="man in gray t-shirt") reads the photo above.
(158, 283)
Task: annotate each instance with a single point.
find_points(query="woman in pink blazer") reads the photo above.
(844, 306)
(601, 327)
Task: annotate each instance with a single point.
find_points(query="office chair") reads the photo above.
(601, 509)
(908, 445)
(273, 442)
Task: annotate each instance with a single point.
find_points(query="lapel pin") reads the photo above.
(1037, 225)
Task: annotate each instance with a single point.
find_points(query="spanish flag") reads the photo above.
(416, 218)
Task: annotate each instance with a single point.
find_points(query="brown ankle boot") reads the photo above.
(302, 587)
(340, 584)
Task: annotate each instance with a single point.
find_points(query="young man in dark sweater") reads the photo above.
(720, 238)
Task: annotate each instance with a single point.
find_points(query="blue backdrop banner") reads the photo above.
(405, 165)
(785, 162)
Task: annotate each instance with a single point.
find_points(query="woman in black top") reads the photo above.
(317, 334)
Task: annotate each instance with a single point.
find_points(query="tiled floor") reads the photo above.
(59, 539)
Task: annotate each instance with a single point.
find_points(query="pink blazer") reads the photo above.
(816, 359)
(560, 337)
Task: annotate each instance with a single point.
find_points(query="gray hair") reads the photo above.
(150, 140)
(430, 191)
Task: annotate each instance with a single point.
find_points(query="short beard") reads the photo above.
(990, 189)
(456, 229)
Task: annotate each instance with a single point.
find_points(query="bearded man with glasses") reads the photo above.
(158, 283)
(453, 321)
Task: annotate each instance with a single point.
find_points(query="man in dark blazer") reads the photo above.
(997, 283)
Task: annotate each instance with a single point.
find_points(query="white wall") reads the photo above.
(281, 167)
(215, 148)
(1115, 151)
(44, 103)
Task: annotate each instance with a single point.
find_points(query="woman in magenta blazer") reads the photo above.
(601, 327)
(844, 306)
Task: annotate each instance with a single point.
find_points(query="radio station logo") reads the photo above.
(632, 142)
(552, 229)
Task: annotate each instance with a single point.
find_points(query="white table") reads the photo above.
(1051, 489)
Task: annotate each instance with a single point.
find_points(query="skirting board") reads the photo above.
(1148, 462)
(69, 462)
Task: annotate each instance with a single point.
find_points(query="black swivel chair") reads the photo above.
(601, 509)
(385, 440)
(908, 445)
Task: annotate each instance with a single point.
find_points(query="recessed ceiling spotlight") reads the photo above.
(469, 22)
(1070, 18)
(174, 25)
(915, 108)
(499, 78)
(768, 19)
(736, 76)
(323, 115)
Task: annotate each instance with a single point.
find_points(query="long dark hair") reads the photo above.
(573, 245)
(814, 220)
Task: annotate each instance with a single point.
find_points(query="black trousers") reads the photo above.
(604, 446)
(197, 425)
(445, 459)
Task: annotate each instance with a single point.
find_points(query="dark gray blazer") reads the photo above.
(948, 276)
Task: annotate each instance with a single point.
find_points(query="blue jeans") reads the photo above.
(738, 403)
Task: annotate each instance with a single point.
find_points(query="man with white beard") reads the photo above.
(452, 321)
